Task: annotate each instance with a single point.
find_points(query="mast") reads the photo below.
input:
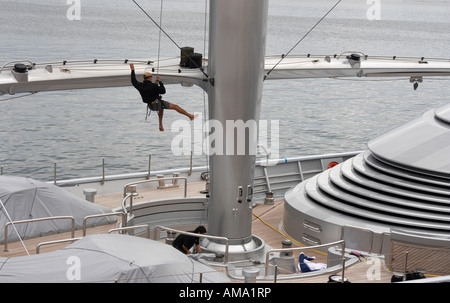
(237, 38)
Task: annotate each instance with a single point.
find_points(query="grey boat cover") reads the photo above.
(109, 258)
(26, 198)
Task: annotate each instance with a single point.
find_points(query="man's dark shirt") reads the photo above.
(149, 91)
(185, 240)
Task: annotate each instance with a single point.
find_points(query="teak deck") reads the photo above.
(266, 225)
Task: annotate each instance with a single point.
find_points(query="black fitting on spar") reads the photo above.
(354, 57)
(20, 72)
(20, 68)
(184, 56)
(188, 58)
(354, 60)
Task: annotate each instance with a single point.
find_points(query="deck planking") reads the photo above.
(266, 224)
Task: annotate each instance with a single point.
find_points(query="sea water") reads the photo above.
(79, 129)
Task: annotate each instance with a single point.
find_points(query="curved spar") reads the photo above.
(66, 75)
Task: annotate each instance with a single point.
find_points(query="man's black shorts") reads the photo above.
(166, 104)
(159, 104)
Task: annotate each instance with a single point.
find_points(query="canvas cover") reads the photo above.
(109, 258)
(25, 198)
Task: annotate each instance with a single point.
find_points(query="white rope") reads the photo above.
(10, 220)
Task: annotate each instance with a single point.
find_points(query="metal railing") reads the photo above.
(131, 228)
(126, 196)
(156, 180)
(123, 215)
(54, 242)
(292, 249)
(124, 203)
(37, 220)
(159, 228)
(103, 178)
(361, 229)
(15, 61)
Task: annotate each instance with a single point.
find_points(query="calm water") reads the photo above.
(77, 129)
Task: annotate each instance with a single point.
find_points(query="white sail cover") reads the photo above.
(109, 258)
(25, 198)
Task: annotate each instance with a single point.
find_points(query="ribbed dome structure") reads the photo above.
(401, 182)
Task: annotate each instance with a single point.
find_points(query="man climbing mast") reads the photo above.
(150, 93)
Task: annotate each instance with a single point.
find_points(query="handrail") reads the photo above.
(132, 227)
(124, 219)
(124, 203)
(382, 241)
(144, 174)
(36, 220)
(359, 228)
(190, 165)
(267, 154)
(15, 61)
(154, 180)
(385, 57)
(158, 229)
(148, 181)
(342, 242)
(150, 62)
(85, 61)
(54, 242)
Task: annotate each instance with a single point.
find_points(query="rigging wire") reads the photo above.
(159, 39)
(32, 93)
(168, 36)
(312, 28)
(205, 27)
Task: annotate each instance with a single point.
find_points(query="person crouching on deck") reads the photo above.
(150, 93)
(184, 242)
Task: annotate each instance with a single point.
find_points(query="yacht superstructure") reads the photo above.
(233, 77)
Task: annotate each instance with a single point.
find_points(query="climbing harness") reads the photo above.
(156, 105)
(148, 112)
